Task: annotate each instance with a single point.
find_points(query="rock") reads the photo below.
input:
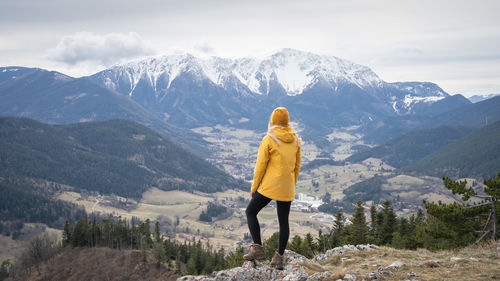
(474, 259)
(395, 265)
(350, 248)
(295, 274)
(342, 250)
(193, 278)
(350, 277)
(373, 275)
(348, 270)
(251, 270)
(411, 274)
(294, 258)
(455, 259)
(431, 263)
(320, 276)
(385, 272)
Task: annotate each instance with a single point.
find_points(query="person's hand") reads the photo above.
(252, 194)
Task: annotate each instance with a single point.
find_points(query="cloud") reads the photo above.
(204, 47)
(104, 49)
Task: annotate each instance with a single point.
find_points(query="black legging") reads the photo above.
(258, 202)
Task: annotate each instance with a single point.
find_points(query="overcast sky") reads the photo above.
(455, 44)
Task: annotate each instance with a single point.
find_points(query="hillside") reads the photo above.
(412, 146)
(472, 115)
(475, 155)
(100, 264)
(116, 156)
(369, 262)
(21, 203)
(56, 98)
(366, 262)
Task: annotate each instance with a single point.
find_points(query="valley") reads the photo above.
(234, 151)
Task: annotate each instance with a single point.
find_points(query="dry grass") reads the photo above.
(481, 262)
(100, 264)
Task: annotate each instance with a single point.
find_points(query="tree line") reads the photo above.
(191, 257)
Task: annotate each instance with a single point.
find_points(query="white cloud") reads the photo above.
(204, 47)
(107, 49)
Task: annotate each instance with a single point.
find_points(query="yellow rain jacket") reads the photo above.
(278, 164)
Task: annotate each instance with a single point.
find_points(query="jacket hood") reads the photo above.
(284, 134)
(280, 117)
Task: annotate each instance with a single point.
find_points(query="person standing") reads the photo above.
(275, 176)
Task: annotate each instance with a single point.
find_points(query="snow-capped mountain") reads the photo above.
(295, 71)
(192, 91)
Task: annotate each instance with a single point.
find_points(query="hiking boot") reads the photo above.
(278, 261)
(255, 252)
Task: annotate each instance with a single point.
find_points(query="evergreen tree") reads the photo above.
(191, 266)
(159, 253)
(373, 223)
(305, 249)
(338, 233)
(235, 258)
(66, 234)
(458, 224)
(358, 228)
(388, 224)
(157, 234)
(313, 246)
(322, 241)
(295, 244)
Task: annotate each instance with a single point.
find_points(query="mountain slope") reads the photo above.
(472, 115)
(12, 72)
(385, 128)
(116, 156)
(192, 92)
(53, 97)
(406, 149)
(475, 155)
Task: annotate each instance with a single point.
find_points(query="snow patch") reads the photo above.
(409, 100)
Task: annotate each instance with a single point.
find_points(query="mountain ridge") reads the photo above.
(56, 98)
(116, 156)
(193, 92)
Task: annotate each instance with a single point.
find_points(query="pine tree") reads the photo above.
(305, 249)
(359, 229)
(157, 234)
(191, 266)
(159, 253)
(373, 223)
(295, 244)
(389, 223)
(338, 233)
(66, 234)
(458, 224)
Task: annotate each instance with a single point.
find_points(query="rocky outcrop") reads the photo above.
(294, 269)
